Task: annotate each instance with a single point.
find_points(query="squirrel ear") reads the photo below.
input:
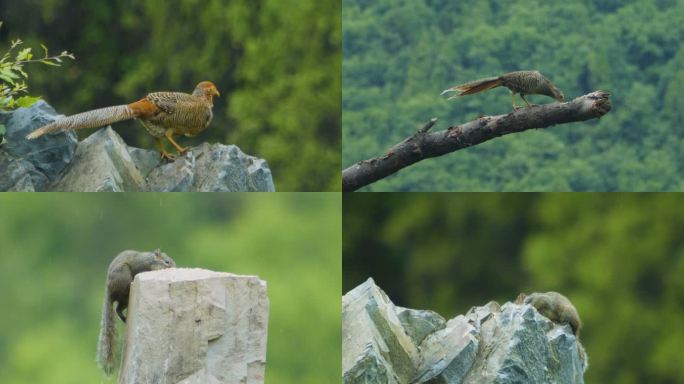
(157, 252)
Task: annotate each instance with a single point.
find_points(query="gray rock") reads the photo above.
(259, 175)
(419, 324)
(18, 175)
(25, 184)
(490, 344)
(5, 116)
(195, 326)
(373, 334)
(49, 154)
(177, 176)
(370, 368)
(145, 159)
(213, 168)
(448, 354)
(102, 164)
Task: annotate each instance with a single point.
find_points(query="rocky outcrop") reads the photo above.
(195, 326)
(383, 343)
(103, 162)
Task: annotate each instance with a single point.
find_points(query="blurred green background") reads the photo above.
(618, 257)
(56, 249)
(275, 62)
(400, 54)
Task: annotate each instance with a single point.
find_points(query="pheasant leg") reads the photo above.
(169, 136)
(515, 107)
(522, 96)
(162, 150)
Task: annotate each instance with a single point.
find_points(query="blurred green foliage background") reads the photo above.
(275, 62)
(55, 250)
(399, 55)
(618, 257)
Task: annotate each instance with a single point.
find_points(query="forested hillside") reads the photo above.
(275, 62)
(400, 54)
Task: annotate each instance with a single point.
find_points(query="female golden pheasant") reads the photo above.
(163, 114)
(522, 82)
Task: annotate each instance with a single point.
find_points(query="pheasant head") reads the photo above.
(206, 89)
(554, 92)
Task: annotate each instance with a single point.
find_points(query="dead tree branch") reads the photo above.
(424, 145)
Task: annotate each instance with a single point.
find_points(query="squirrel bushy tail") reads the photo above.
(584, 359)
(107, 343)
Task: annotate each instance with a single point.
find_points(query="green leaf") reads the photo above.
(8, 74)
(6, 78)
(27, 101)
(2, 129)
(24, 54)
(5, 104)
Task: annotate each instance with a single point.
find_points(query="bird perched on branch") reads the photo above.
(163, 114)
(522, 82)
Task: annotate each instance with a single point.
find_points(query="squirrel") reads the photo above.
(120, 275)
(560, 310)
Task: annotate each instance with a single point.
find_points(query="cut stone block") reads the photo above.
(195, 326)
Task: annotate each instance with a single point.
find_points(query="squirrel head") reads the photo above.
(162, 260)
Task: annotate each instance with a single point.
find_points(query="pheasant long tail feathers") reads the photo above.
(474, 87)
(91, 119)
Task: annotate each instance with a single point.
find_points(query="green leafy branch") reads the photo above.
(13, 77)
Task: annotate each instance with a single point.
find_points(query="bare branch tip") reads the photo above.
(428, 125)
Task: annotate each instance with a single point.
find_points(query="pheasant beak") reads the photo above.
(215, 92)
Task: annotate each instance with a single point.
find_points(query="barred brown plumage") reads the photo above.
(522, 82)
(163, 114)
